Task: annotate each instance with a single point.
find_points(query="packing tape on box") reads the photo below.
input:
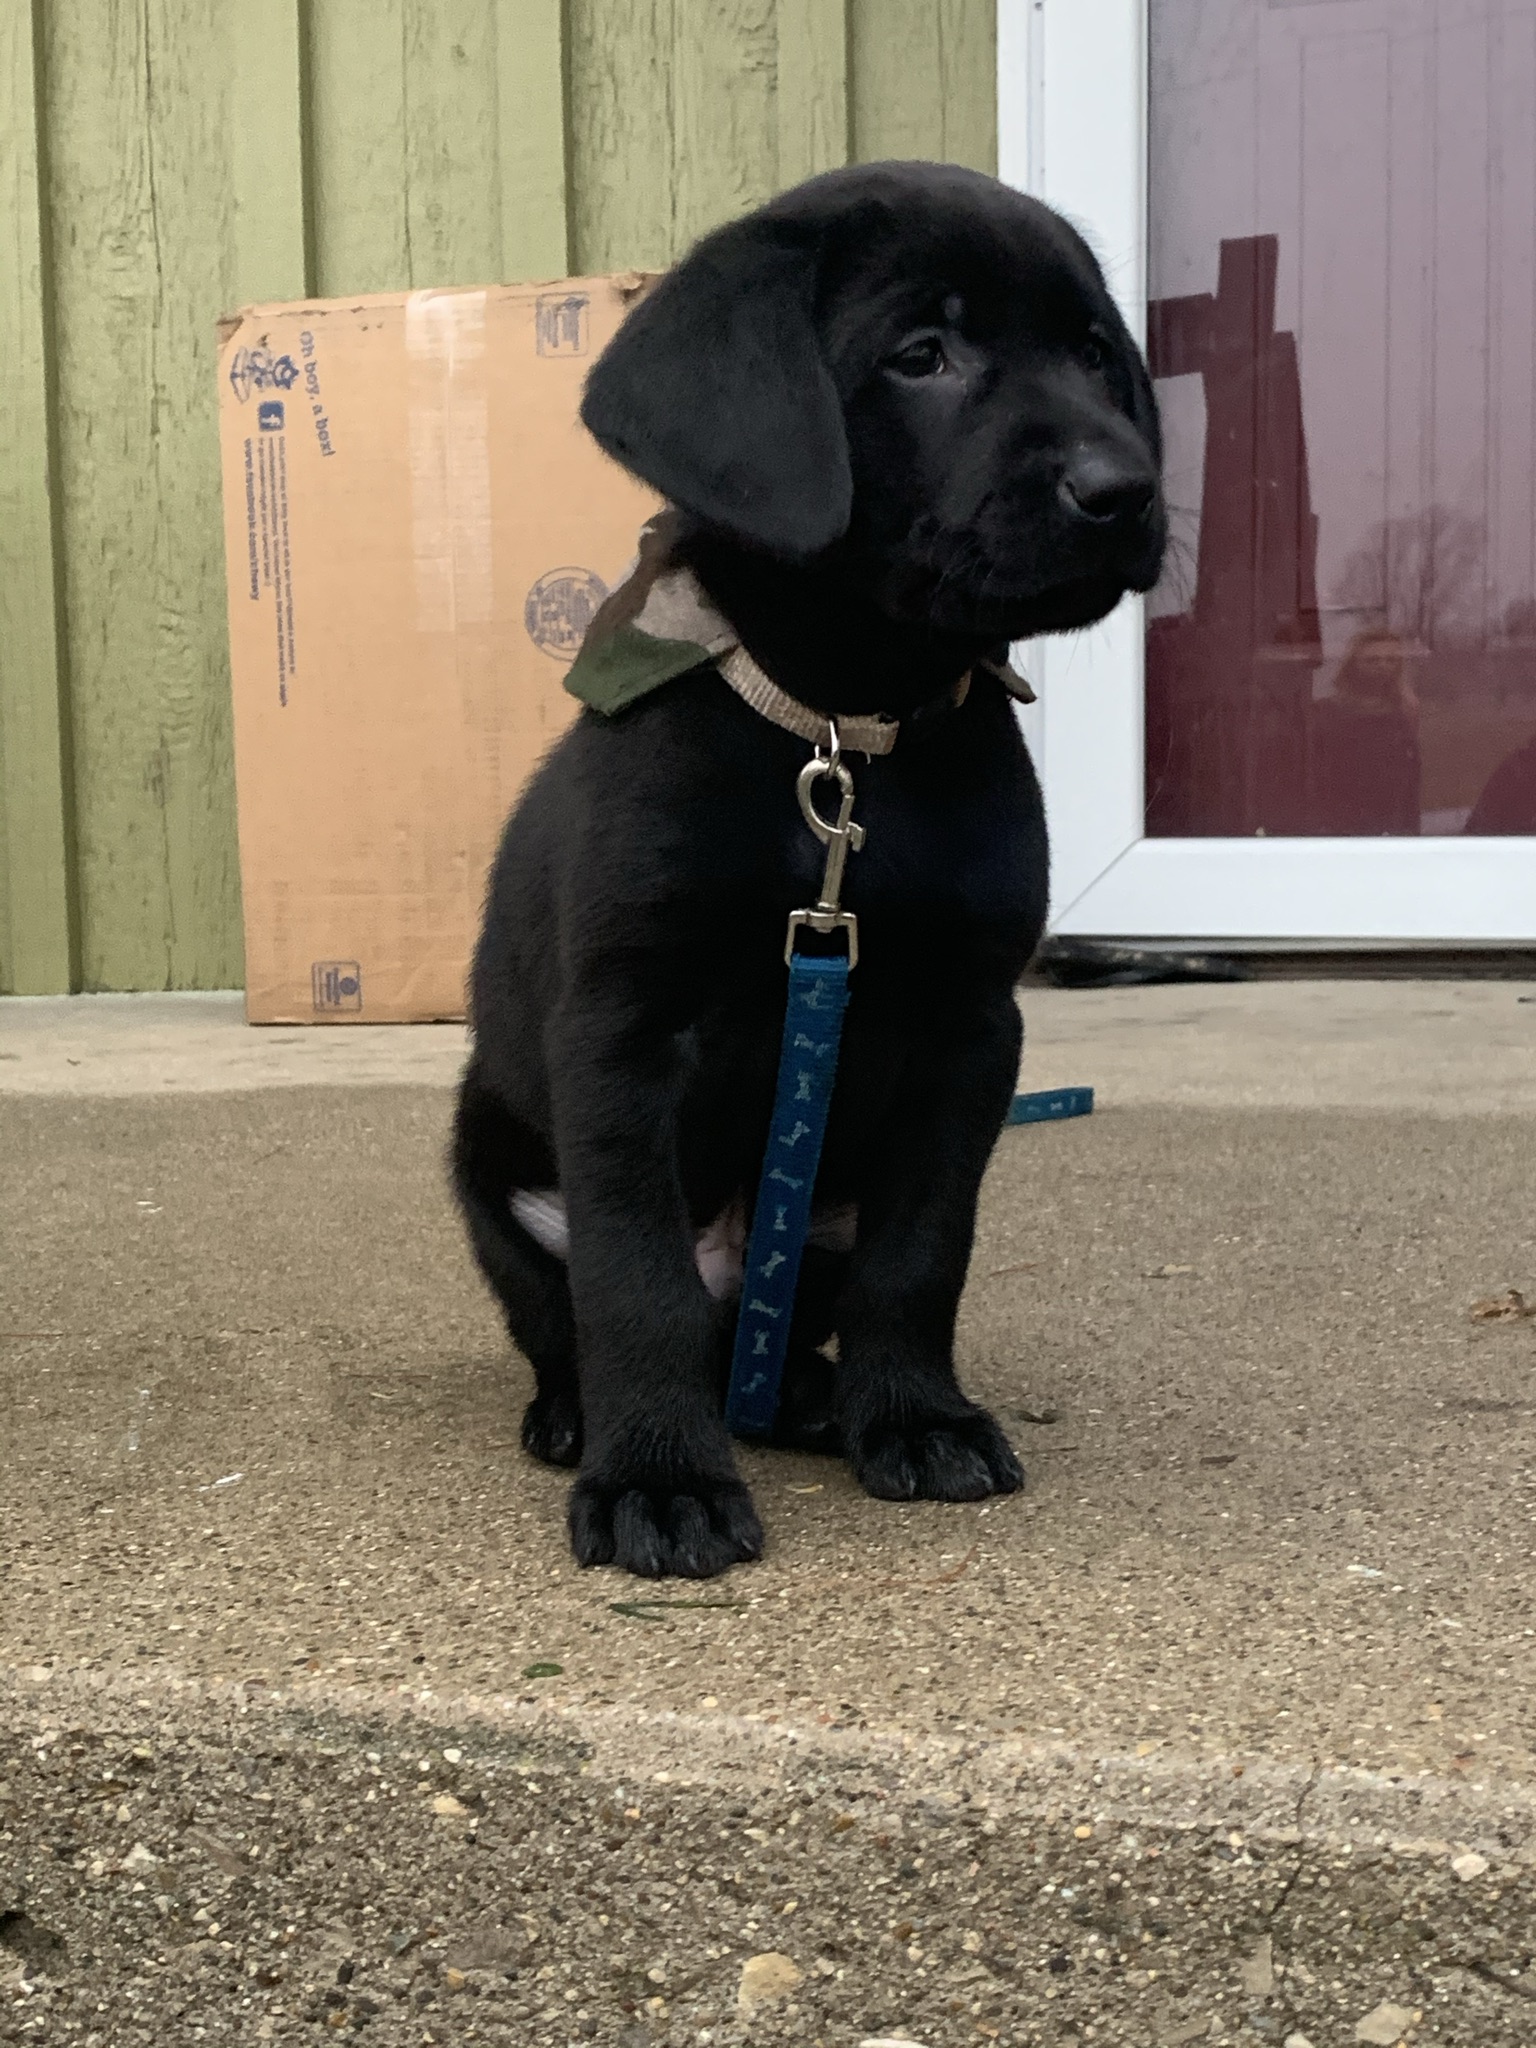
(450, 459)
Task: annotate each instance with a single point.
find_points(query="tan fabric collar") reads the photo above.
(677, 608)
(857, 732)
(658, 622)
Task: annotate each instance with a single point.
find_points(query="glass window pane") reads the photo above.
(1343, 329)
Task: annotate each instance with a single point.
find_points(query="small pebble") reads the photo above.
(1469, 1866)
(765, 1979)
(1257, 1970)
(1385, 2026)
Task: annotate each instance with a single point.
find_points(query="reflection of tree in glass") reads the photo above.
(1421, 576)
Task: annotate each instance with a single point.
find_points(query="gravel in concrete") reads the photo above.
(231, 1872)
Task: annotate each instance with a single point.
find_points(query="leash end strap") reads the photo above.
(1049, 1103)
(813, 1029)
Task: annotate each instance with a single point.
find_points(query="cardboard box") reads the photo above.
(417, 531)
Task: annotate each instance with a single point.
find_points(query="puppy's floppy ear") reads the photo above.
(714, 392)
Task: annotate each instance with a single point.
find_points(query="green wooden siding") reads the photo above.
(163, 161)
(38, 928)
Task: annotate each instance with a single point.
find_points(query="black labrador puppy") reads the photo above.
(901, 424)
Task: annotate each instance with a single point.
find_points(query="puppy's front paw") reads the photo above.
(552, 1428)
(939, 1457)
(690, 1529)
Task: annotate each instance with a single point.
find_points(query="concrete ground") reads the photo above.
(1223, 1730)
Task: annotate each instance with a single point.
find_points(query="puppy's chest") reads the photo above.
(977, 856)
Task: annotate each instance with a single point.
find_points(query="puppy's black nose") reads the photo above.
(1105, 490)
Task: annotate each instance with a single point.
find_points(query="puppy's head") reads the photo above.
(915, 372)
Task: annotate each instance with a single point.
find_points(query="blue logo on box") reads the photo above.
(559, 609)
(257, 369)
(269, 416)
(337, 985)
(560, 324)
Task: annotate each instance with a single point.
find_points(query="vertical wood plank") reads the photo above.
(38, 932)
(270, 253)
(895, 62)
(814, 126)
(531, 140)
(453, 191)
(968, 82)
(405, 140)
(139, 184)
(724, 133)
(925, 80)
(357, 149)
(619, 60)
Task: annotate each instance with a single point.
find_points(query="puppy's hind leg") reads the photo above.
(494, 1153)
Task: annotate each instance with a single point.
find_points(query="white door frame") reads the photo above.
(1072, 128)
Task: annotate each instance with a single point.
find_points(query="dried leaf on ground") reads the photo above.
(1509, 1307)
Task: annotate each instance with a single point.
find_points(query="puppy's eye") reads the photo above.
(1095, 349)
(923, 356)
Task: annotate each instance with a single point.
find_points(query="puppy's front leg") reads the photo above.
(908, 1429)
(658, 1491)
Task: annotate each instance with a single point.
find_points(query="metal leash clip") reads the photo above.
(840, 839)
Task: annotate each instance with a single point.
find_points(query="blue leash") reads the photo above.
(813, 1030)
(1047, 1104)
